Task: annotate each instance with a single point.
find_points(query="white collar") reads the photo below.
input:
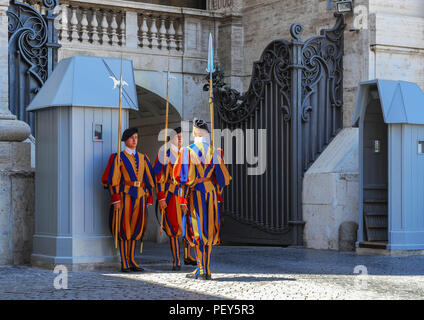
(130, 151)
(201, 139)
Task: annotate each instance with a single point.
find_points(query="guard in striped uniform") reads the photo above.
(131, 185)
(167, 195)
(197, 167)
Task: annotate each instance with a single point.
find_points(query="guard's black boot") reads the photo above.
(128, 270)
(137, 269)
(176, 268)
(206, 277)
(190, 262)
(192, 276)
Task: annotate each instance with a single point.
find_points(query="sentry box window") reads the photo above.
(97, 132)
(421, 147)
(377, 146)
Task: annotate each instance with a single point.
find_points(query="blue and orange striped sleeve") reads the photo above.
(218, 187)
(221, 174)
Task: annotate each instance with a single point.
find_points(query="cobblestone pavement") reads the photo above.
(238, 273)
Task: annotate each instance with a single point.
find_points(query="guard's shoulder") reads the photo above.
(192, 146)
(144, 155)
(112, 156)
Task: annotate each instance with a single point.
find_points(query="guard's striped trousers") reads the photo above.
(203, 255)
(175, 249)
(127, 249)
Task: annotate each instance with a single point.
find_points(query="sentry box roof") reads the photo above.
(401, 101)
(84, 81)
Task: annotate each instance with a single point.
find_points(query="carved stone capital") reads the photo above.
(4, 4)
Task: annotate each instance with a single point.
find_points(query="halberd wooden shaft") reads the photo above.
(119, 154)
(165, 160)
(211, 109)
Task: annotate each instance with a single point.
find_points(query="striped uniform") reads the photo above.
(219, 189)
(195, 170)
(135, 169)
(168, 190)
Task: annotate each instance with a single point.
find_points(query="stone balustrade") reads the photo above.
(146, 33)
(123, 23)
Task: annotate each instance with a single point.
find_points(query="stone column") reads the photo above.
(10, 128)
(231, 40)
(16, 175)
(230, 50)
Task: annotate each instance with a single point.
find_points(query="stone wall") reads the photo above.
(397, 40)
(16, 203)
(327, 210)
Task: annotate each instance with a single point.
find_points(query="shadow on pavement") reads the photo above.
(279, 260)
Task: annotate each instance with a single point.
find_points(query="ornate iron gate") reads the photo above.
(296, 94)
(32, 52)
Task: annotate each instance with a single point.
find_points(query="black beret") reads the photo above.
(201, 124)
(177, 130)
(174, 132)
(128, 133)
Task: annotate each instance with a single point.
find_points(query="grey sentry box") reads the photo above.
(76, 131)
(390, 115)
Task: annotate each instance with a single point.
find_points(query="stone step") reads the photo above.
(374, 213)
(383, 201)
(376, 226)
(375, 187)
(377, 234)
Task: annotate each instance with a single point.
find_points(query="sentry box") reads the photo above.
(76, 131)
(390, 116)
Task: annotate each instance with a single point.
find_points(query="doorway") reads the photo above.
(375, 174)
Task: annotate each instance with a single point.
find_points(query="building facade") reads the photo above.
(382, 39)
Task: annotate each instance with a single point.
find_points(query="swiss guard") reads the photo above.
(167, 195)
(131, 184)
(198, 168)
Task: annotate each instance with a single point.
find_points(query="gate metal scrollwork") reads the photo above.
(32, 53)
(296, 94)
